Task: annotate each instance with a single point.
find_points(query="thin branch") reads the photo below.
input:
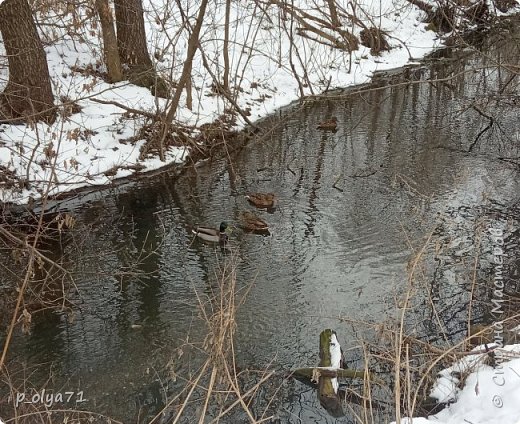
(150, 115)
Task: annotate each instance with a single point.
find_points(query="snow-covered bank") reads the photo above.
(478, 393)
(89, 148)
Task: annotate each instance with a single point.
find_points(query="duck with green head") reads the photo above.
(219, 235)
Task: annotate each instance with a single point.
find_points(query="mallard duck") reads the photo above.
(212, 234)
(329, 124)
(251, 222)
(262, 200)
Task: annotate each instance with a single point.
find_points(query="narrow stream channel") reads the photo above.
(354, 204)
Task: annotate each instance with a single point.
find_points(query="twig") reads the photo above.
(511, 160)
(150, 115)
(363, 175)
(335, 182)
(491, 121)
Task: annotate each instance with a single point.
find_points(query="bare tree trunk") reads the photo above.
(110, 50)
(225, 78)
(131, 35)
(133, 49)
(189, 94)
(333, 13)
(28, 94)
(193, 43)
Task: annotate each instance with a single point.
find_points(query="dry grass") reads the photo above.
(218, 384)
(429, 332)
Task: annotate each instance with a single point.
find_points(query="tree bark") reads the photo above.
(193, 43)
(28, 94)
(110, 50)
(131, 35)
(333, 13)
(225, 78)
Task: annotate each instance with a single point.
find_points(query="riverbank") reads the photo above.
(103, 131)
(483, 388)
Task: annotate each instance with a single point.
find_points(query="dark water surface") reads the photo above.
(353, 206)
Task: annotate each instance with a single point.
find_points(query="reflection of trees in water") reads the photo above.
(138, 224)
(458, 280)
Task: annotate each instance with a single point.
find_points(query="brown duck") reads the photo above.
(262, 200)
(329, 124)
(251, 222)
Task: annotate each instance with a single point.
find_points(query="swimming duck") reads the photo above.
(251, 222)
(262, 200)
(329, 124)
(212, 234)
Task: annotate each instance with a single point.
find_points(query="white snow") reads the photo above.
(488, 395)
(84, 146)
(335, 359)
(335, 352)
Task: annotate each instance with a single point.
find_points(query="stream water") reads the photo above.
(353, 206)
